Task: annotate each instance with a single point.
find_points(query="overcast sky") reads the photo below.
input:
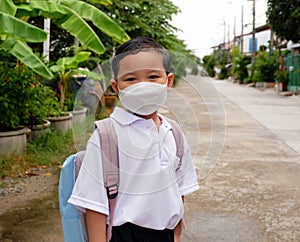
(202, 22)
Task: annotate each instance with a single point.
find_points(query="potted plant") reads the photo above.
(282, 78)
(41, 101)
(264, 69)
(110, 100)
(65, 68)
(22, 104)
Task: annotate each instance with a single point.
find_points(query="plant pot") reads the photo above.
(61, 123)
(110, 103)
(269, 84)
(282, 87)
(13, 141)
(38, 130)
(79, 115)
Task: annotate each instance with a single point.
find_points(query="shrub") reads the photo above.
(264, 67)
(209, 64)
(223, 73)
(24, 99)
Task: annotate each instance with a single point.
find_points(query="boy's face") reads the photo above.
(145, 66)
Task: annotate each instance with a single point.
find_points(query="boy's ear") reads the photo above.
(170, 80)
(114, 85)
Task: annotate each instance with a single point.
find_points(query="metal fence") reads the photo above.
(292, 63)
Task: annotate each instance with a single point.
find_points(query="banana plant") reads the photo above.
(14, 33)
(70, 15)
(66, 67)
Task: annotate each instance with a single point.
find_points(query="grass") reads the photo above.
(49, 150)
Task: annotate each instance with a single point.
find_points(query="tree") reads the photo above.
(146, 18)
(209, 62)
(264, 67)
(71, 15)
(240, 62)
(284, 18)
(151, 19)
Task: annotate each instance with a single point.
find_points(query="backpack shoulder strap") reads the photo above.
(78, 162)
(110, 162)
(110, 156)
(178, 136)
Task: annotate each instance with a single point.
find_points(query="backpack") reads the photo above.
(73, 220)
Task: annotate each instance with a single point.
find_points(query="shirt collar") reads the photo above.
(124, 117)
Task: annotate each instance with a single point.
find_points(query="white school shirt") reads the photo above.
(150, 189)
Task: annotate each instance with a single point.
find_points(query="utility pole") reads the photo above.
(224, 40)
(253, 34)
(228, 36)
(46, 44)
(234, 33)
(242, 33)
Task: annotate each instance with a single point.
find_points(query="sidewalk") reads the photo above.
(279, 114)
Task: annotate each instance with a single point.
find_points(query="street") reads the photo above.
(253, 191)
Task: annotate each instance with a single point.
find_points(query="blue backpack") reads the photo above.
(73, 220)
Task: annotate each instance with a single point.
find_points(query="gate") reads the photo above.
(292, 63)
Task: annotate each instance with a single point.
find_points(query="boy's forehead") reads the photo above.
(149, 60)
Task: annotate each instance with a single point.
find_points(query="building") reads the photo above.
(262, 38)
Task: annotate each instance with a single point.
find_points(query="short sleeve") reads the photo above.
(186, 175)
(89, 191)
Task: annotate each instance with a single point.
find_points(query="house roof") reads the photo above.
(257, 30)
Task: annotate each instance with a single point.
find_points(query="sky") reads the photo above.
(202, 22)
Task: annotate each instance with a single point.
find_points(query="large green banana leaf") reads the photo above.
(79, 28)
(8, 7)
(71, 21)
(47, 9)
(24, 53)
(99, 19)
(102, 2)
(21, 30)
(66, 63)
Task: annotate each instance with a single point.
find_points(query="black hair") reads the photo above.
(136, 45)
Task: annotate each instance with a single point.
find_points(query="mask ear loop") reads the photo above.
(166, 84)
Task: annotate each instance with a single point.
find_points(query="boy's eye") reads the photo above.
(130, 79)
(153, 77)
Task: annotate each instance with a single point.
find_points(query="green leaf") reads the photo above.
(102, 2)
(21, 30)
(82, 56)
(24, 53)
(99, 19)
(46, 9)
(90, 74)
(7, 6)
(77, 27)
(66, 63)
(67, 19)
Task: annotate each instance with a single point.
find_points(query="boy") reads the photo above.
(153, 182)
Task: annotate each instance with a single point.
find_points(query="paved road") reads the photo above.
(247, 154)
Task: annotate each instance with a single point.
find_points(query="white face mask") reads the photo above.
(143, 98)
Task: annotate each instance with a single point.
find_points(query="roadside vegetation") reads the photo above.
(48, 150)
